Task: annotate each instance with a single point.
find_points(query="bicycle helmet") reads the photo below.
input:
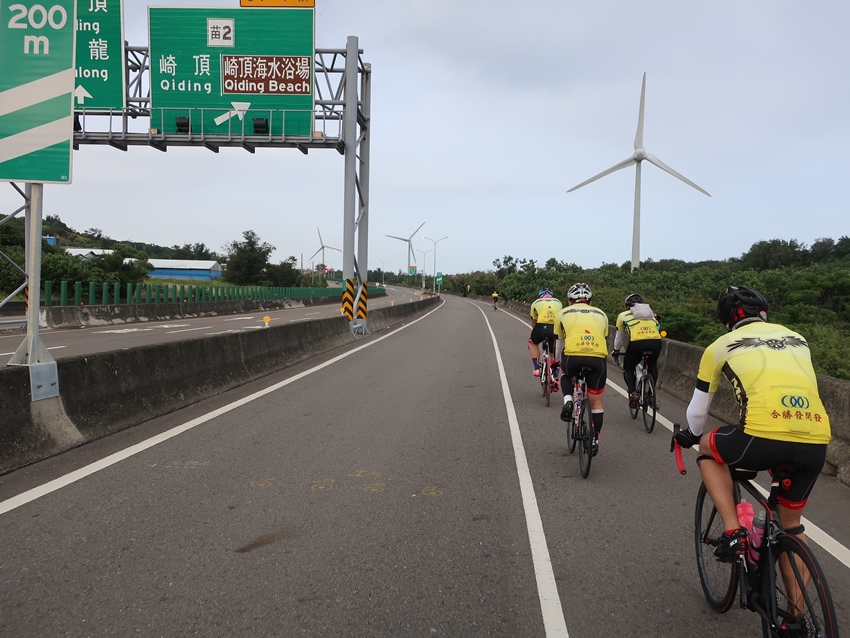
(580, 292)
(633, 299)
(544, 293)
(740, 302)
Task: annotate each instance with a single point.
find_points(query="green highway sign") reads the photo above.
(411, 270)
(36, 90)
(439, 279)
(220, 71)
(101, 81)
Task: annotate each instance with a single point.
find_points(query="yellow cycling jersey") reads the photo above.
(771, 373)
(638, 329)
(546, 310)
(583, 330)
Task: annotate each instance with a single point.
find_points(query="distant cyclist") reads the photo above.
(495, 297)
(544, 314)
(638, 325)
(582, 331)
(782, 421)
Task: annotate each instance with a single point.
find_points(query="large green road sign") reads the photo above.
(36, 90)
(231, 71)
(101, 82)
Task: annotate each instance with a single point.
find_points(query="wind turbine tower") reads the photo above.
(637, 157)
(409, 241)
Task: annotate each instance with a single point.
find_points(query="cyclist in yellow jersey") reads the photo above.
(641, 325)
(783, 421)
(582, 332)
(544, 313)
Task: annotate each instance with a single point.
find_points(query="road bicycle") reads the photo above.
(647, 401)
(547, 375)
(778, 577)
(580, 432)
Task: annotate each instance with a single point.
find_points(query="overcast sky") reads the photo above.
(484, 114)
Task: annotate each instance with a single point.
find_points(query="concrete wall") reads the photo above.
(108, 392)
(677, 369)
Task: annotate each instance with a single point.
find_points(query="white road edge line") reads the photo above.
(117, 457)
(813, 532)
(554, 624)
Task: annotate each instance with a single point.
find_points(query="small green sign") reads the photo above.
(412, 270)
(439, 279)
(100, 78)
(36, 90)
(221, 71)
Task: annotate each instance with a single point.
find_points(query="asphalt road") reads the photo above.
(411, 484)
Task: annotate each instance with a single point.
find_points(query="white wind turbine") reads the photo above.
(322, 247)
(409, 241)
(639, 155)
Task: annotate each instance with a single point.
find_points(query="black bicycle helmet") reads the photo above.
(740, 302)
(633, 299)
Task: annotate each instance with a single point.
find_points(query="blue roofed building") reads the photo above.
(185, 269)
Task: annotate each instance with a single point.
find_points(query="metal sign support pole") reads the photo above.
(44, 377)
(350, 140)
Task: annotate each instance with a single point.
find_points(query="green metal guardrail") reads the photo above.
(111, 293)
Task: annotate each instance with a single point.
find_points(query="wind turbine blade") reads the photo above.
(416, 231)
(664, 167)
(315, 253)
(410, 252)
(332, 248)
(639, 134)
(399, 238)
(624, 164)
(321, 241)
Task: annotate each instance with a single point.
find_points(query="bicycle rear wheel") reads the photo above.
(799, 604)
(572, 435)
(648, 404)
(547, 383)
(585, 436)
(719, 580)
(634, 410)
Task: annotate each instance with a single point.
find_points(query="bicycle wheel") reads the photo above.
(585, 436)
(634, 410)
(648, 404)
(547, 383)
(795, 590)
(719, 580)
(572, 435)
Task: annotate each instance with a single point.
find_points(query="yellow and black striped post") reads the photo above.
(361, 303)
(348, 299)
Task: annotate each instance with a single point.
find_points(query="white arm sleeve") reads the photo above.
(618, 340)
(698, 411)
(559, 349)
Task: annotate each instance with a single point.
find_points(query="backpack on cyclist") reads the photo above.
(642, 311)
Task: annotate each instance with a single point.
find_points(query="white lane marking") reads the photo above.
(122, 331)
(554, 624)
(814, 533)
(3, 354)
(171, 332)
(238, 319)
(117, 457)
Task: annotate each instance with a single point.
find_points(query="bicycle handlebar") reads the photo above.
(677, 449)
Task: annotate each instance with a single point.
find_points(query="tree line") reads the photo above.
(808, 289)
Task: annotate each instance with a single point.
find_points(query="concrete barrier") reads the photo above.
(108, 392)
(677, 369)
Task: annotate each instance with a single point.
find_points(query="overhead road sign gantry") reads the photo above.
(218, 71)
(99, 70)
(36, 90)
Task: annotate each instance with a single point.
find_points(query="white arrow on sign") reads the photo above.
(81, 94)
(239, 109)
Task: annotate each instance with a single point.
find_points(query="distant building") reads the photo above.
(185, 269)
(88, 253)
(51, 241)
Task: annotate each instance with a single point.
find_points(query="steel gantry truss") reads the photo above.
(342, 87)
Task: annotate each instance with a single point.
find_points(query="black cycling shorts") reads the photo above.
(733, 447)
(595, 379)
(542, 331)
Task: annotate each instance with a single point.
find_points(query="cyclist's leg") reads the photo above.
(653, 345)
(718, 481)
(537, 335)
(631, 358)
(596, 389)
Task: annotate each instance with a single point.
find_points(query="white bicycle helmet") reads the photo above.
(580, 292)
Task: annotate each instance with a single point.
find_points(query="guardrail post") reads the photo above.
(105, 295)
(63, 293)
(92, 294)
(116, 293)
(48, 294)
(129, 293)
(148, 290)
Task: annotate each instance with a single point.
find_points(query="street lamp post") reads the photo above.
(383, 272)
(424, 252)
(434, 289)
